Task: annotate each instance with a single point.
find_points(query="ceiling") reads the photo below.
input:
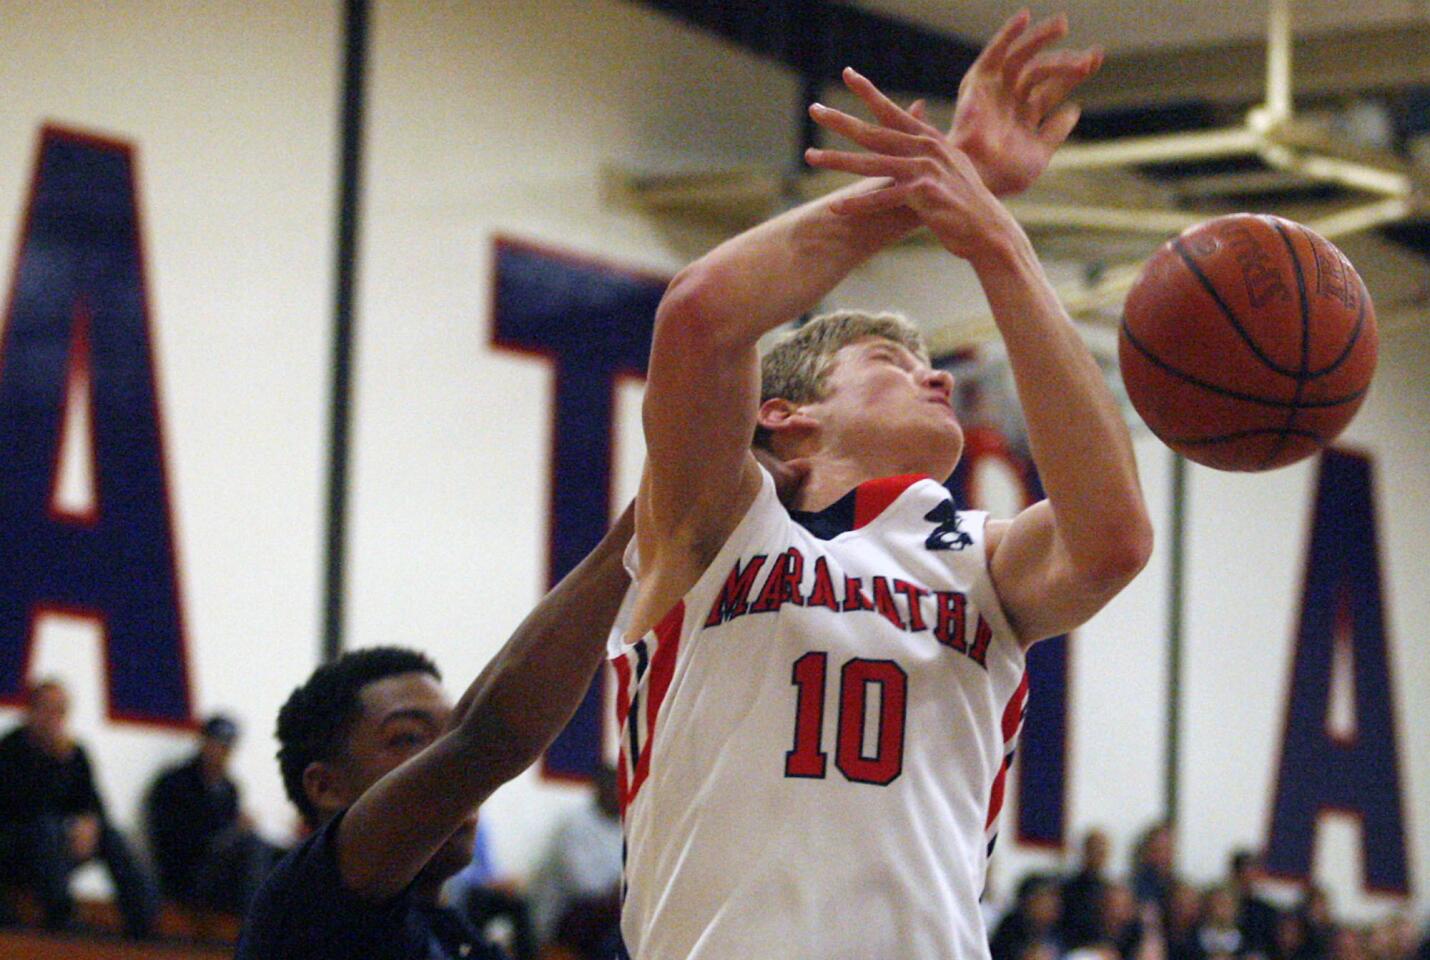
(1172, 66)
(1123, 27)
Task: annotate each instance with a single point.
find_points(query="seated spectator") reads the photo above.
(52, 818)
(1118, 924)
(489, 900)
(1315, 910)
(1031, 927)
(1292, 939)
(1082, 892)
(1218, 936)
(1348, 943)
(576, 892)
(1184, 917)
(1256, 918)
(206, 851)
(1393, 938)
(1154, 866)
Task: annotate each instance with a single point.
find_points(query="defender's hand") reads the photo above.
(1012, 112)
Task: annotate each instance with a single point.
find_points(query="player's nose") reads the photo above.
(940, 380)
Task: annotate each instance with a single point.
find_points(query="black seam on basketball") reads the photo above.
(1360, 313)
(1305, 309)
(1243, 435)
(1227, 392)
(1226, 310)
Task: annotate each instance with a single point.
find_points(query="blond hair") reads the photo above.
(795, 368)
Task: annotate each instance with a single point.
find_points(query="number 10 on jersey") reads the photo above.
(860, 758)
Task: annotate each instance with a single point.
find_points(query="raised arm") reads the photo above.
(1061, 560)
(703, 387)
(503, 722)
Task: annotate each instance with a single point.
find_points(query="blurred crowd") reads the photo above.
(199, 850)
(1152, 913)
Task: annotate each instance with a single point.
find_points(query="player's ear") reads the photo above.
(785, 419)
(323, 785)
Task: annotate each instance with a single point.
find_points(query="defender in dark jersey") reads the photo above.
(390, 775)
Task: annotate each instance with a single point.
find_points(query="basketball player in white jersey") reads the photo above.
(820, 704)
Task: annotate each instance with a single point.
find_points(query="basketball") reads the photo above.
(1248, 342)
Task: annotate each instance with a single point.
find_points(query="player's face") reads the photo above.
(402, 715)
(882, 400)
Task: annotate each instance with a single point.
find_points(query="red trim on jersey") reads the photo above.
(622, 667)
(1013, 713)
(874, 496)
(662, 668)
(1012, 723)
(995, 799)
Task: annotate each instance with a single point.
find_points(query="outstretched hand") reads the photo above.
(920, 170)
(1012, 112)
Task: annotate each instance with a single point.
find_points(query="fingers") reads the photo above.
(1059, 124)
(886, 111)
(919, 110)
(864, 164)
(875, 201)
(1030, 44)
(1070, 67)
(867, 135)
(992, 56)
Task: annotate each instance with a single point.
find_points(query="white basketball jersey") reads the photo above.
(814, 742)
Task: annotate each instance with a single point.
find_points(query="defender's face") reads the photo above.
(882, 399)
(402, 715)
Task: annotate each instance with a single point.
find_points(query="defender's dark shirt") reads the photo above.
(303, 912)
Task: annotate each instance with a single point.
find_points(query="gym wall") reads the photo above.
(496, 120)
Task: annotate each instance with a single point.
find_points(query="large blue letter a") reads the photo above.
(79, 304)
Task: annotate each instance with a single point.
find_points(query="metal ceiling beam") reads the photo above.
(1333, 64)
(817, 38)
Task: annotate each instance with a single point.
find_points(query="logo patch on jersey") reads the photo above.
(949, 534)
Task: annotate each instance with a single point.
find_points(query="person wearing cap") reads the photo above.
(206, 851)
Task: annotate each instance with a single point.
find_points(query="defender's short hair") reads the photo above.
(794, 369)
(315, 722)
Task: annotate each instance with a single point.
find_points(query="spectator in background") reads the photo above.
(487, 899)
(1393, 938)
(206, 850)
(1292, 939)
(576, 893)
(1154, 866)
(52, 818)
(1082, 892)
(1218, 936)
(1256, 918)
(1179, 926)
(1315, 910)
(1032, 924)
(1348, 943)
(1118, 925)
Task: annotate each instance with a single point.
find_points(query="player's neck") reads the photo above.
(831, 477)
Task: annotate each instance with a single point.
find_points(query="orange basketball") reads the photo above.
(1248, 342)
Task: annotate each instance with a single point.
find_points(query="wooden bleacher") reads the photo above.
(33, 945)
(182, 935)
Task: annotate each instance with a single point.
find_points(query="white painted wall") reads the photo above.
(499, 117)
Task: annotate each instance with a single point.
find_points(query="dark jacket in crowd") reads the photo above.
(186, 815)
(32, 782)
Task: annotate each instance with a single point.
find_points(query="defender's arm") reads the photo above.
(507, 717)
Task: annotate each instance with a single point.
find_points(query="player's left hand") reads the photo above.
(924, 172)
(1012, 112)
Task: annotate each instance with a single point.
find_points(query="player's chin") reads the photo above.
(950, 446)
